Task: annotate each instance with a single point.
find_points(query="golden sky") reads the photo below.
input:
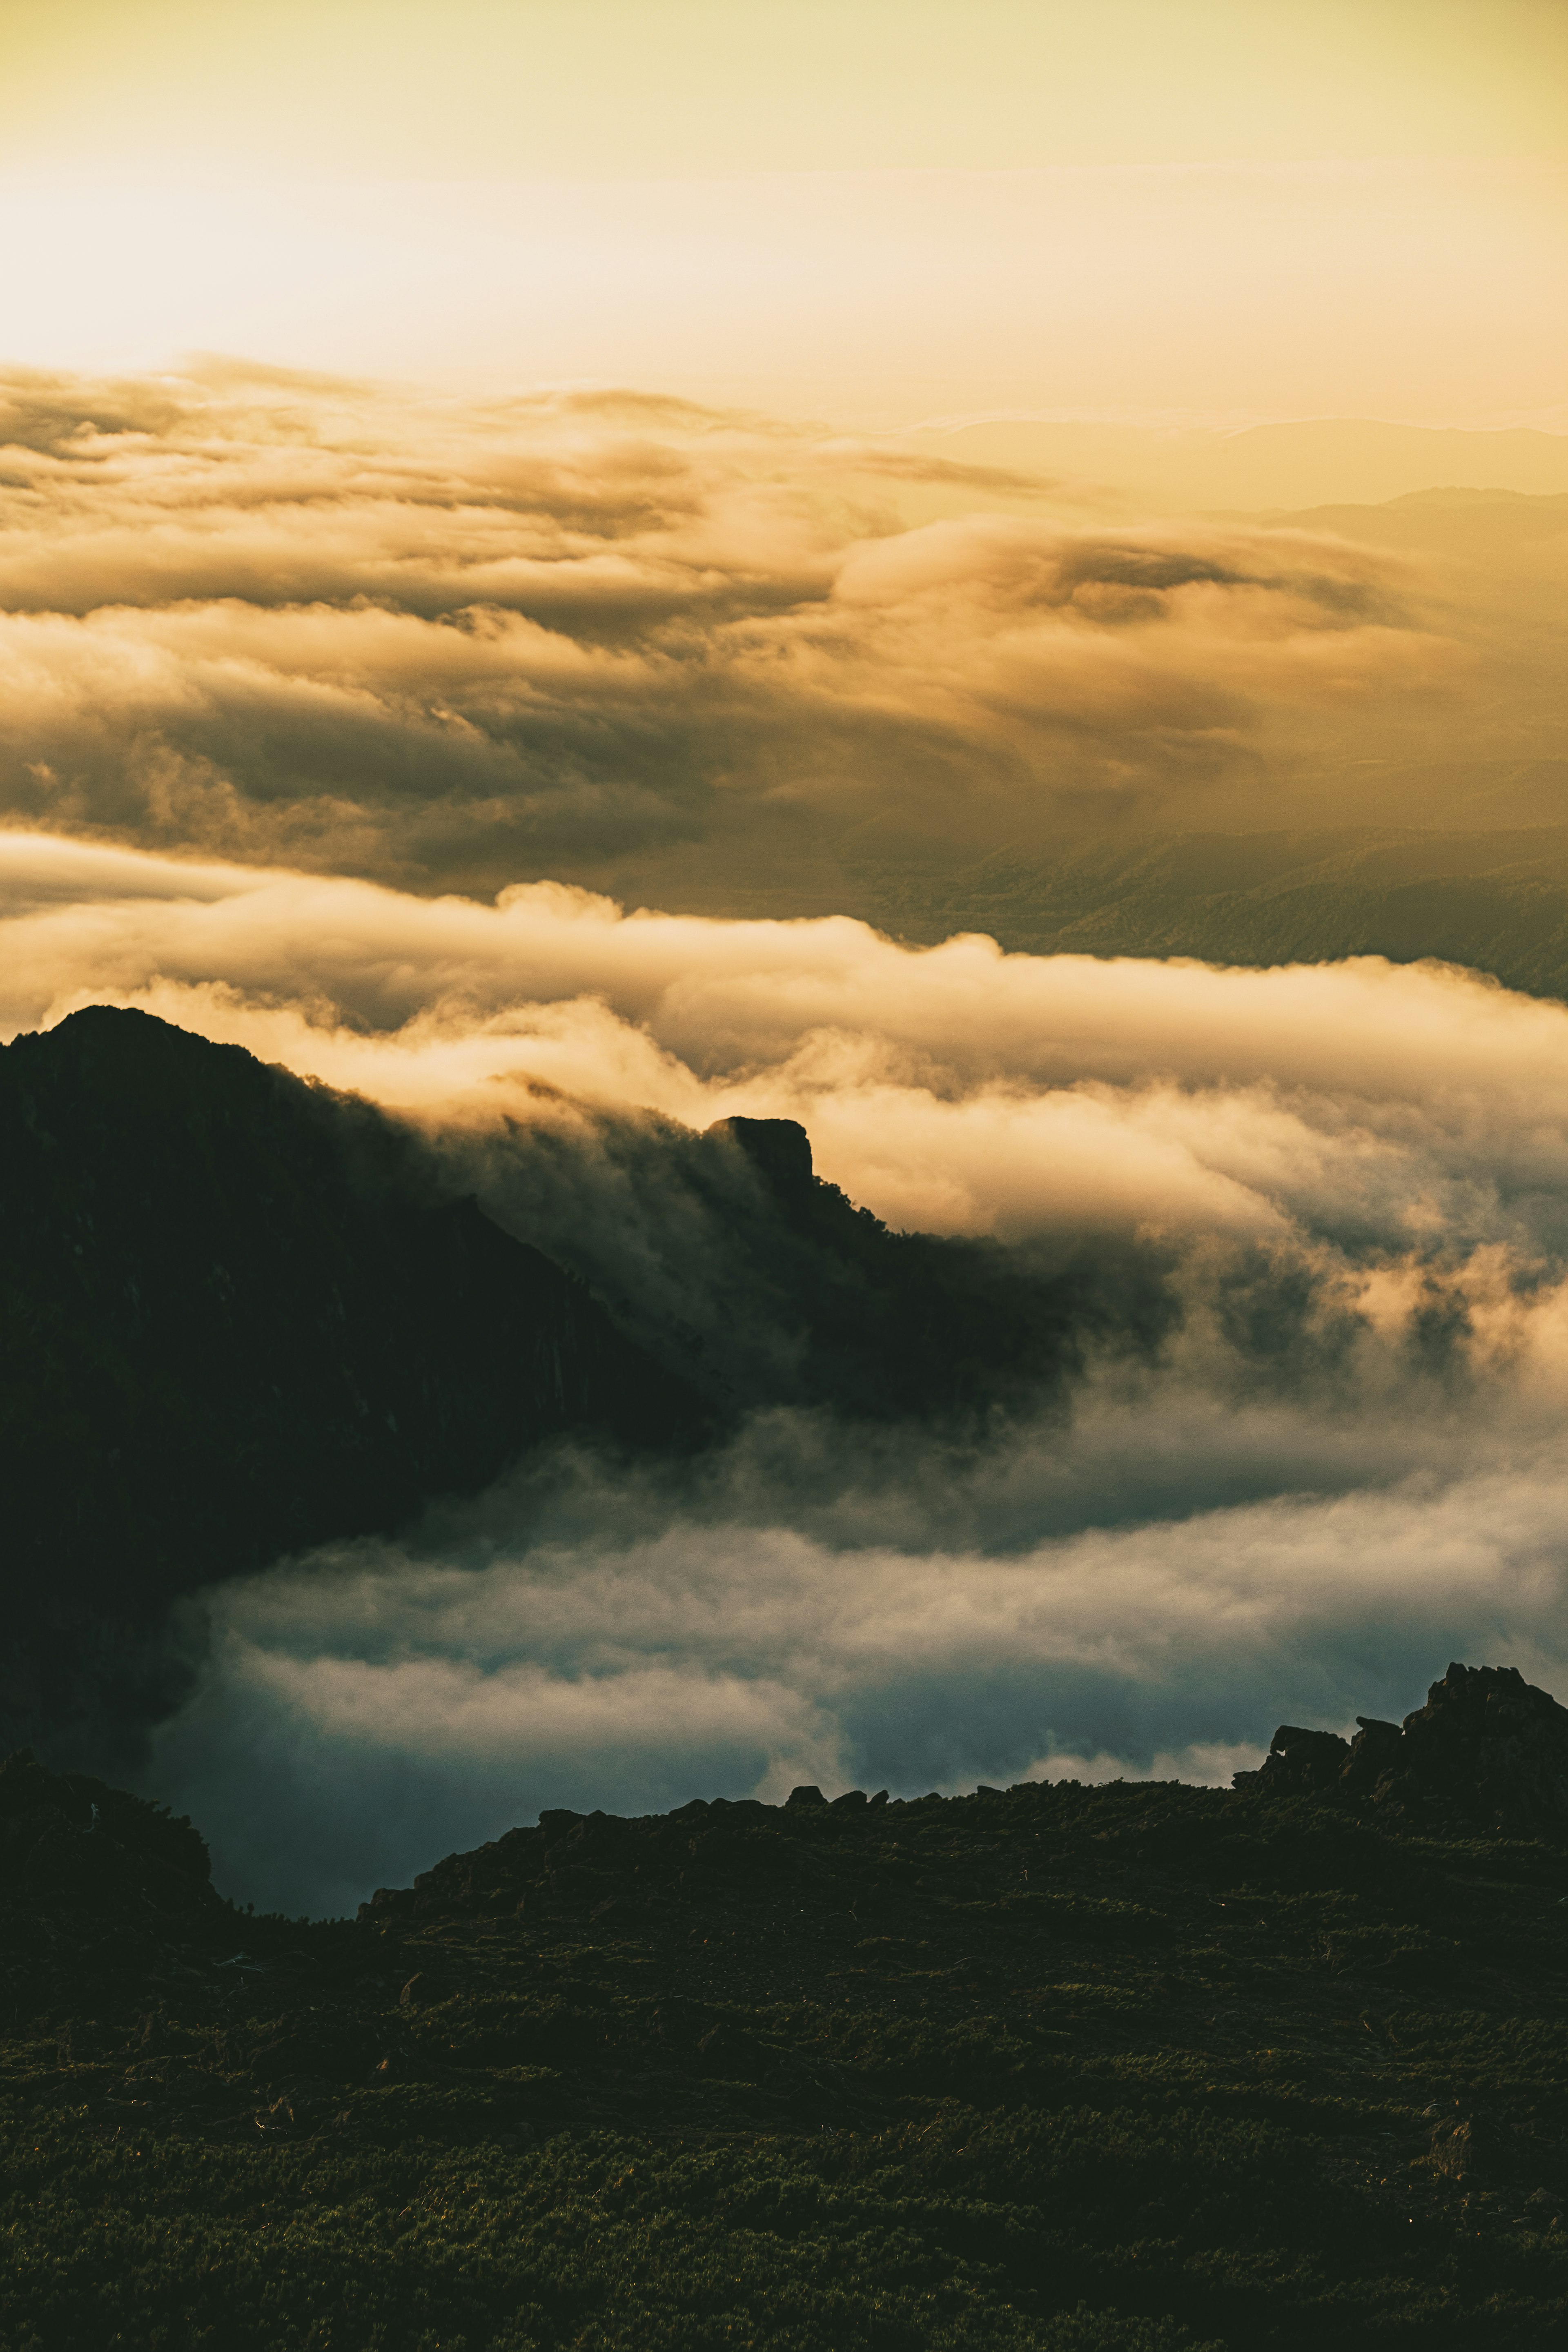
(1223, 210)
(659, 89)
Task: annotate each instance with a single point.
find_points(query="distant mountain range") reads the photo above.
(1297, 465)
(1494, 898)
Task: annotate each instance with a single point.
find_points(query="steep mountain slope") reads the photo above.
(731, 1259)
(241, 1316)
(1128, 2069)
(238, 1317)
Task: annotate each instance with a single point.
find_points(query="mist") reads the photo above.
(584, 1639)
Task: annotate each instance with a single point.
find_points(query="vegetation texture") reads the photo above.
(1128, 2069)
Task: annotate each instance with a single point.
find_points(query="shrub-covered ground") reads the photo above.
(1134, 2069)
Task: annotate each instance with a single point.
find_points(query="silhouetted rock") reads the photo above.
(242, 1318)
(70, 1844)
(880, 1325)
(1305, 1762)
(1487, 1746)
(778, 1148)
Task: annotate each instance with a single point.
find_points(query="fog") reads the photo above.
(588, 1642)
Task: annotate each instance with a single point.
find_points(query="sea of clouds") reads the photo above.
(1338, 1467)
(304, 685)
(692, 657)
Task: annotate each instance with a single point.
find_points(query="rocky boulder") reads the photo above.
(1487, 1747)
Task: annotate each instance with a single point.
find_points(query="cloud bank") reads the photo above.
(399, 1705)
(369, 730)
(952, 1088)
(697, 654)
(1335, 1466)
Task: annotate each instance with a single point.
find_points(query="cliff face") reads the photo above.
(884, 1326)
(238, 1317)
(241, 1316)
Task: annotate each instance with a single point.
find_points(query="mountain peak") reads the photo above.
(778, 1148)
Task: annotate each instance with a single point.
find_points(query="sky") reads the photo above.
(520, 523)
(1221, 211)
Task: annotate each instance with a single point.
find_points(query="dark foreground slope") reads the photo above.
(238, 1317)
(1134, 2069)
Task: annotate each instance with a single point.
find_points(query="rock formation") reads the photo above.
(243, 1316)
(1488, 1747)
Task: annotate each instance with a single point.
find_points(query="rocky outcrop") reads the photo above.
(779, 1150)
(1487, 1747)
(70, 1844)
(241, 1316)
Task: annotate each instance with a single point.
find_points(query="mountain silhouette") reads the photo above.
(242, 1315)
(241, 1318)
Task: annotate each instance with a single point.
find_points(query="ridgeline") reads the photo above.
(1141, 2068)
(239, 1316)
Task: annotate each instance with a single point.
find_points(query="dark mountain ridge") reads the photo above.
(240, 1316)
(876, 1325)
(1138, 2068)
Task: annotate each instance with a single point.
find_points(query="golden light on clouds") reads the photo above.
(702, 657)
(581, 567)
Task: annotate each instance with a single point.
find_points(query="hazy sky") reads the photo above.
(620, 89)
(1221, 209)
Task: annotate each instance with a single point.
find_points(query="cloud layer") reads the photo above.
(1335, 1469)
(631, 642)
(952, 1088)
(405, 1700)
(347, 725)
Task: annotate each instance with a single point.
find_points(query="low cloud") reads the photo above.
(405, 1700)
(1365, 1108)
(1332, 1466)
